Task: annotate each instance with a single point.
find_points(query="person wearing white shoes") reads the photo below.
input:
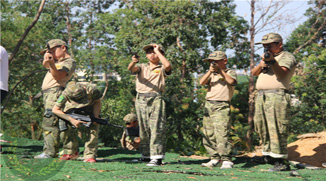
(221, 83)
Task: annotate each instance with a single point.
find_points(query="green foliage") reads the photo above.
(102, 41)
(309, 85)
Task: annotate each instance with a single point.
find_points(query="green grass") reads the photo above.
(115, 164)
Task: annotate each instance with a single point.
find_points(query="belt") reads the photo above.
(262, 91)
(152, 94)
(52, 89)
(217, 102)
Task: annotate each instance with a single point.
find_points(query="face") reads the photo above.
(58, 52)
(274, 47)
(151, 56)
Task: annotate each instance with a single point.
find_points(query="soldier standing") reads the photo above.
(83, 98)
(217, 122)
(150, 106)
(272, 102)
(61, 68)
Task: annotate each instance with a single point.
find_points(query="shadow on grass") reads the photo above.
(31, 148)
(188, 162)
(111, 151)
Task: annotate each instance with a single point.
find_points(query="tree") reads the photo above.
(308, 42)
(188, 30)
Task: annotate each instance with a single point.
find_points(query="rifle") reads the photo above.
(48, 47)
(132, 131)
(89, 119)
(266, 55)
(81, 117)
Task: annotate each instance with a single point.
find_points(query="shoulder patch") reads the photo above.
(61, 98)
(157, 71)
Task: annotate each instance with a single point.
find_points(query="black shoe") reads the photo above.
(141, 160)
(279, 166)
(154, 163)
(264, 160)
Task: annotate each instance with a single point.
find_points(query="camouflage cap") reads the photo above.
(53, 43)
(77, 91)
(151, 46)
(217, 55)
(270, 38)
(130, 117)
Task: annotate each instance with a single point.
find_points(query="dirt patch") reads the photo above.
(309, 149)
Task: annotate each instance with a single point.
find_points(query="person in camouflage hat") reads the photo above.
(221, 83)
(150, 105)
(80, 97)
(272, 102)
(130, 142)
(60, 67)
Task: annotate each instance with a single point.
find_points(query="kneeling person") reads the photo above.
(80, 97)
(130, 138)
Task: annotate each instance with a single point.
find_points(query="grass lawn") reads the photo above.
(17, 163)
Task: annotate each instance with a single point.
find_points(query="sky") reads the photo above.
(293, 10)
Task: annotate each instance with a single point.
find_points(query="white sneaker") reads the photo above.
(211, 163)
(227, 165)
(42, 156)
(154, 163)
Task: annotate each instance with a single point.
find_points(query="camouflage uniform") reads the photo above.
(78, 96)
(150, 109)
(217, 124)
(272, 103)
(51, 90)
(128, 142)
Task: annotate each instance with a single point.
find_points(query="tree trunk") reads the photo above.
(27, 31)
(251, 100)
(69, 28)
(183, 74)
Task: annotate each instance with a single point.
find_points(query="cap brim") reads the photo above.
(147, 47)
(258, 43)
(207, 59)
(43, 52)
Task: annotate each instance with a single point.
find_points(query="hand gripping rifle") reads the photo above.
(90, 119)
(130, 131)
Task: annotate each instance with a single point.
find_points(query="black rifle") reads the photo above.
(132, 131)
(90, 119)
(48, 47)
(266, 55)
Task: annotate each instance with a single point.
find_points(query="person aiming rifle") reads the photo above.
(82, 97)
(272, 101)
(130, 138)
(60, 67)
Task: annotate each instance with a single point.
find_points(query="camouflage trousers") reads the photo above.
(152, 126)
(70, 140)
(217, 125)
(271, 121)
(91, 142)
(50, 123)
(129, 142)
